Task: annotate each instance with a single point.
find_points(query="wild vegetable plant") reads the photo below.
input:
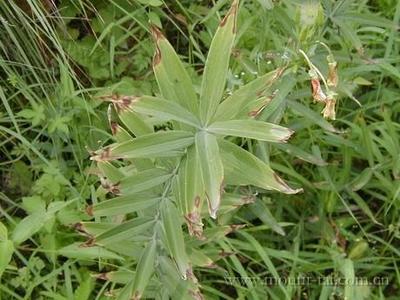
(166, 177)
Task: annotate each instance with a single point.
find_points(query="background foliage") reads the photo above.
(59, 239)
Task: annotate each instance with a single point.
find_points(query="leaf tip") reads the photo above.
(232, 12)
(285, 188)
(157, 36)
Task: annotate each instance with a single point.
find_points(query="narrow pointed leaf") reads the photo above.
(144, 269)
(123, 205)
(77, 250)
(243, 168)
(253, 129)
(125, 231)
(174, 237)
(111, 172)
(164, 109)
(144, 180)
(211, 169)
(134, 122)
(231, 107)
(216, 68)
(159, 144)
(189, 191)
(263, 213)
(6, 252)
(172, 78)
(29, 226)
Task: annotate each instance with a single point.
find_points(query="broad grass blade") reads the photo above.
(211, 169)
(216, 68)
(252, 129)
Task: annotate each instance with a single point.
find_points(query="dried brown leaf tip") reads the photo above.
(89, 243)
(157, 36)
(89, 210)
(110, 187)
(254, 113)
(121, 102)
(102, 276)
(235, 227)
(195, 225)
(81, 229)
(248, 199)
(284, 187)
(232, 12)
(102, 155)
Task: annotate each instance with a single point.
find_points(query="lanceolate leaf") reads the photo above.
(159, 144)
(232, 106)
(29, 226)
(189, 191)
(211, 169)
(77, 250)
(125, 231)
(123, 205)
(134, 122)
(263, 213)
(144, 269)
(6, 251)
(243, 168)
(172, 78)
(144, 180)
(216, 68)
(164, 109)
(253, 129)
(174, 237)
(111, 172)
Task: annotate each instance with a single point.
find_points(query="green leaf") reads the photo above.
(243, 168)
(309, 114)
(123, 205)
(303, 155)
(159, 144)
(85, 288)
(253, 129)
(35, 115)
(144, 180)
(216, 68)
(144, 269)
(265, 257)
(262, 212)
(109, 171)
(212, 170)
(134, 122)
(79, 251)
(189, 191)
(174, 82)
(125, 231)
(29, 226)
(174, 237)
(3, 232)
(362, 179)
(6, 252)
(164, 109)
(346, 267)
(233, 106)
(266, 4)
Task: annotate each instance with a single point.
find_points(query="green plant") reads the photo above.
(185, 163)
(344, 226)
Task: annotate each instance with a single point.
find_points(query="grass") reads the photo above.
(56, 62)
